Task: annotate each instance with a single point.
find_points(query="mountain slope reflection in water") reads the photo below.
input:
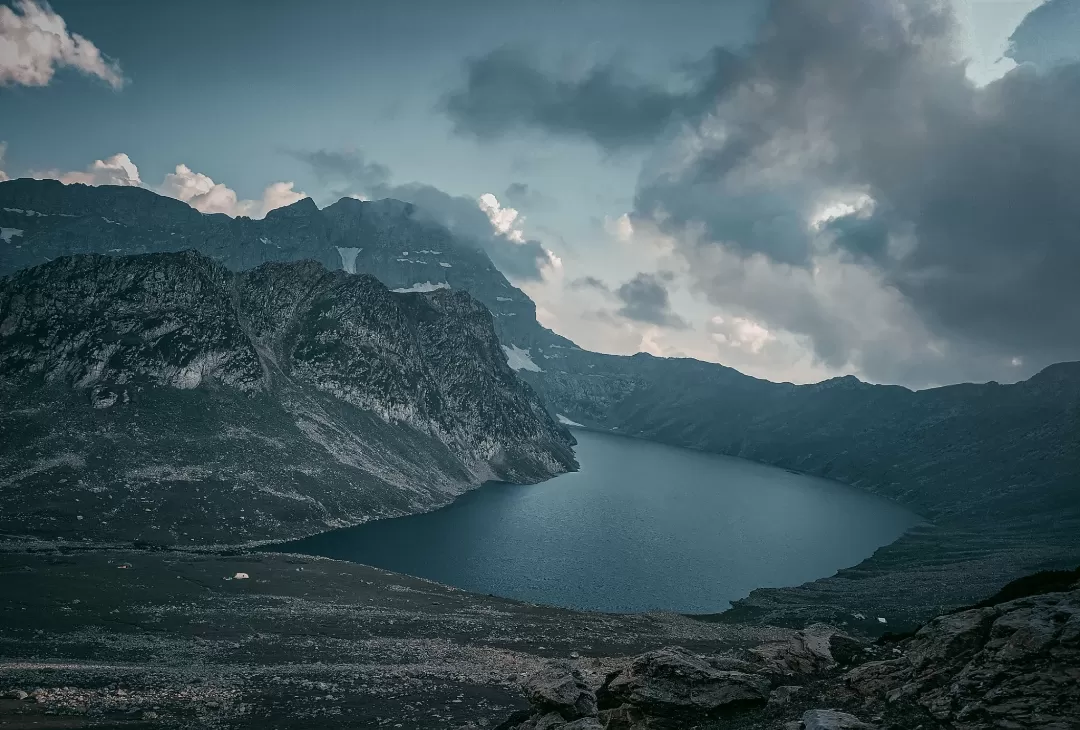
(642, 526)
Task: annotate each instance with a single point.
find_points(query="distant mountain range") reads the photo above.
(41, 220)
(964, 452)
(165, 399)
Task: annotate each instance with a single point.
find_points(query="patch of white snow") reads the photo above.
(519, 359)
(566, 421)
(423, 287)
(7, 233)
(348, 258)
(444, 264)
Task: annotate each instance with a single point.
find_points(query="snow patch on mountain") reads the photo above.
(423, 287)
(519, 359)
(7, 233)
(444, 264)
(566, 421)
(348, 258)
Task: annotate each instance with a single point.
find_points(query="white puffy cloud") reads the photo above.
(740, 332)
(502, 219)
(194, 188)
(203, 194)
(34, 42)
(620, 228)
(115, 170)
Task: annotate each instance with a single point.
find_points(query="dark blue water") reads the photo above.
(642, 526)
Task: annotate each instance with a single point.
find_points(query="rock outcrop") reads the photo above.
(165, 399)
(1011, 665)
(673, 683)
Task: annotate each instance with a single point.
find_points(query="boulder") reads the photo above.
(672, 682)
(809, 651)
(585, 723)
(832, 720)
(878, 678)
(559, 688)
(782, 695)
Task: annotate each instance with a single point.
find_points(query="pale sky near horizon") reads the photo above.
(827, 193)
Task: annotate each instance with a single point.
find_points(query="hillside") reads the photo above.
(164, 399)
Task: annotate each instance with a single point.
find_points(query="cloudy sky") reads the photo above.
(796, 188)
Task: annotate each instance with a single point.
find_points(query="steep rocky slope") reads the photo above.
(165, 399)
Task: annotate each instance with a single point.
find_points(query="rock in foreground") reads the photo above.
(1013, 665)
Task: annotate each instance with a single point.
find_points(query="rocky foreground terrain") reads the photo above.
(159, 639)
(163, 399)
(1003, 664)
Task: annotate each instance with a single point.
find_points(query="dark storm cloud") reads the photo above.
(331, 166)
(1048, 35)
(525, 197)
(461, 214)
(645, 299)
(589, 282)
(973, 235)
(505, 91)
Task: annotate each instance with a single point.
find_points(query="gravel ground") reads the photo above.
(112, 638)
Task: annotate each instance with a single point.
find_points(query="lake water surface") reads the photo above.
(642, 526)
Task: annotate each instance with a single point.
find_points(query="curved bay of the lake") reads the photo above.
(642, 526)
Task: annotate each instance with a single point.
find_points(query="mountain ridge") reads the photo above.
(314, 399)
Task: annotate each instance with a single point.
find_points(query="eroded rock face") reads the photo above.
(673, 682)
(1013, 665)
(560, 689)
(832, 720)
(178, 402)
(810, 651)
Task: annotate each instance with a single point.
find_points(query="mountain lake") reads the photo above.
(641, 527)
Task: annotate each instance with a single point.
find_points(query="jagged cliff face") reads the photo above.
(165, 398)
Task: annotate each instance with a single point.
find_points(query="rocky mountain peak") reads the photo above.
(301, 208)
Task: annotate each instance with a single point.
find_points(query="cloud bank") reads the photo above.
(35, 42)
(841, 181)
(194, 188)
(483, 222)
